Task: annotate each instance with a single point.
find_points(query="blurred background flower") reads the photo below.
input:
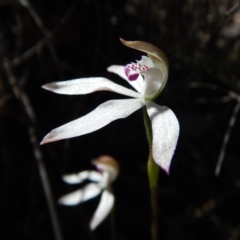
(108, 170)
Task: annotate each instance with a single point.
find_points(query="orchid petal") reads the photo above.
(119, 70)
(153, 81)
(90, 191)
(104, 208)
(88, 85)
(165, 129)
(82, 176)
(146, 61)
(98, 118)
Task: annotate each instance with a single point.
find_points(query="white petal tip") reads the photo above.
(66, 201)
(71, 179)
(109, 69)
(165, 166)
(167, 170)
(53, 136)
(92, 227)
(94, 224)
(103, 210)
(50, 86)
(42, 142)
(48, 138)
(61, 201)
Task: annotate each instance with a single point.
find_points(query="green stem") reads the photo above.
(112, 220)
(153, 172)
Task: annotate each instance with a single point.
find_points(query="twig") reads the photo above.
(19, 33)
(232, 10)
(23, 98)
(224, 99)
(41, 26)
(228, 16)
(31, 51)
(222, 22)
(226, 138)
(230, 124)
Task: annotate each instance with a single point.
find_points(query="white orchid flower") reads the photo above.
(148, 77)
(108, 170)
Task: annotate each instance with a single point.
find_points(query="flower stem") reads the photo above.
(153, 172)
(112, 221)
(153, 177)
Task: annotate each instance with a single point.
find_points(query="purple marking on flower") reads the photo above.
(133, 77)
(133, 70)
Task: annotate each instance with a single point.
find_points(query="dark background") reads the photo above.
(201, 40)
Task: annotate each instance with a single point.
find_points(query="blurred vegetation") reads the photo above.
(57, 40)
